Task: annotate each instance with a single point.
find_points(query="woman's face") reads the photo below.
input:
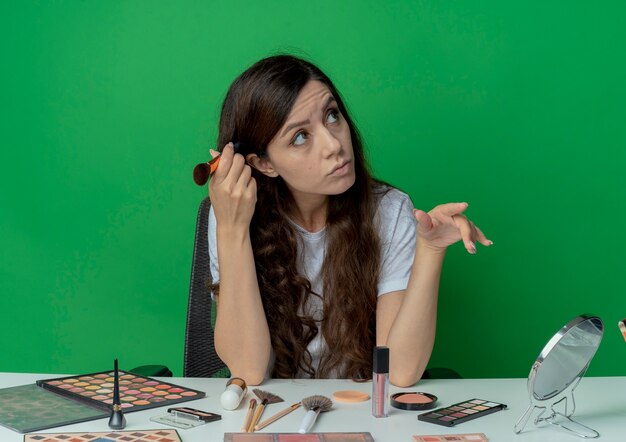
(312, 152)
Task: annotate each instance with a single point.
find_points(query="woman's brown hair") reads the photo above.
(255, 108)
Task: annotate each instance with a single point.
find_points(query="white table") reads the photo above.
(601, 404)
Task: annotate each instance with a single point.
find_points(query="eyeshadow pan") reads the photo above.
(458, 413)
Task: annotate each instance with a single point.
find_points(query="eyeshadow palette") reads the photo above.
(297, 437)
(108, 436)
(29, 408)
(136, 392)
(461, 412)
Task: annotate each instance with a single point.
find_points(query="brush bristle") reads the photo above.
(267, 397)
(317, 402)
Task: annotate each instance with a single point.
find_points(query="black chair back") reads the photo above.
(201, 360)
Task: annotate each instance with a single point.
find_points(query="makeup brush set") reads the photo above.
(314, 405)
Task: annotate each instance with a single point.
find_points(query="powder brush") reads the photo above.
(314, 405)
(203, 171)
(266, 398)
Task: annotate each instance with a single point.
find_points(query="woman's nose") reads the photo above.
(332, 145)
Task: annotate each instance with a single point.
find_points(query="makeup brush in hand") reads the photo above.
(203, 171)
(314, 405)
(266, 398)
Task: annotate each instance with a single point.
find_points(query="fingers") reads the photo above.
(230, 166)
(470, 233)
(424, 221)
(246, 182)
(451, 209)
(233, 176)
(225, 162)
(466, 231)
(445, 224)
(480, 236)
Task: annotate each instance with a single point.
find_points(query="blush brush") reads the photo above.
(266, 398)
(314, 405)
(203, 171)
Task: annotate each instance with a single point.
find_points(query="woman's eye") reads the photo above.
(299, 139)
(332, 116)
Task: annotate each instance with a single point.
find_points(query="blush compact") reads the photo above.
(413, 400)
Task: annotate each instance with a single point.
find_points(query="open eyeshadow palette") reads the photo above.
(461, 412)
(136, 392)
(51, 403)
(30, 408)
(109, 436)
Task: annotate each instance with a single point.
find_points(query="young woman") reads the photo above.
(314, 261)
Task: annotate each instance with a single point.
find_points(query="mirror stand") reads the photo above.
(561, 400)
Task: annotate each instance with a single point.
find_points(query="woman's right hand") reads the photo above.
(232, 189)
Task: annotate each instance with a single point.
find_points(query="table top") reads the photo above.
(600, 404)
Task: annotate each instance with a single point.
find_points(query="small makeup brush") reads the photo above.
(117, 420)
(277, 416)
(203, 171)
(249, 414)
(266, 398)
(622, 327)
(314, 405)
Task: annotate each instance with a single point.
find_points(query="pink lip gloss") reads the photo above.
(380, 382)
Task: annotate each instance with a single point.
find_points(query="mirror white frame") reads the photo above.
(557, 371)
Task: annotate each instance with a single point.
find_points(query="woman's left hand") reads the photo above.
(445, 224)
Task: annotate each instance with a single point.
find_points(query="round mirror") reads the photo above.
(557, 371)
(566, 356)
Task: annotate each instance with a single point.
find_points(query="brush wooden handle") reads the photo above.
(277, 416)
(257, 416)
(246, 423)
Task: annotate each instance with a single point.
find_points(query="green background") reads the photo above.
(515, 107)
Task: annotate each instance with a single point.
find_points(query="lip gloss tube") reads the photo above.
(380, 382)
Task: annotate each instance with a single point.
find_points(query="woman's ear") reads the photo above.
(263, 165)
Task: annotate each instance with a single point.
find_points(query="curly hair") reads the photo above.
(255, 107)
